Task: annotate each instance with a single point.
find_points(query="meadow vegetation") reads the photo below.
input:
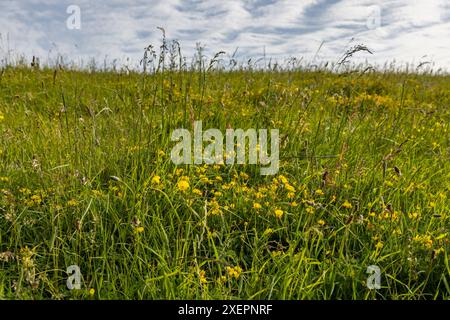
(86, 178)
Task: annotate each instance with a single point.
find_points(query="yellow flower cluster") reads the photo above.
(424, 240)
(183, 184)
(234, 272)
(156, 180)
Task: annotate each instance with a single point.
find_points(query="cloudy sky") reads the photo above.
(404, 30)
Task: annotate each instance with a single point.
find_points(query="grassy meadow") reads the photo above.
(86, 179)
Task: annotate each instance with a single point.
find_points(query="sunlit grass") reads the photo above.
(86, 179)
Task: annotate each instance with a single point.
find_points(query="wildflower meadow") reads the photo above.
(356, 209)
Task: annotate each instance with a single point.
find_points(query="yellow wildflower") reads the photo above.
(72, 203)
(234, 272)
(276, 253)
(25, 191)
(97, 193)
(283, 179)
(202, 276)
(139, 229)
(279, 213)
(379, 245)
(259, 195)
(319, 192)
(156, 180)
(347, 205)
(310, 210)
(222, 279)
(289, 188)
(183, 185)
(256, 205)
(243, 175)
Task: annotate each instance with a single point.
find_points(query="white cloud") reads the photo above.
(409, 29)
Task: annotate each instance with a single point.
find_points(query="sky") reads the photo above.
(405, 31)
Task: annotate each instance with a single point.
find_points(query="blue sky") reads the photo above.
(401, 30)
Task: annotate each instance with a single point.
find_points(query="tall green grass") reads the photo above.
(366, 154)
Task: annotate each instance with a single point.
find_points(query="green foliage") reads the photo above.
(86, 179)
